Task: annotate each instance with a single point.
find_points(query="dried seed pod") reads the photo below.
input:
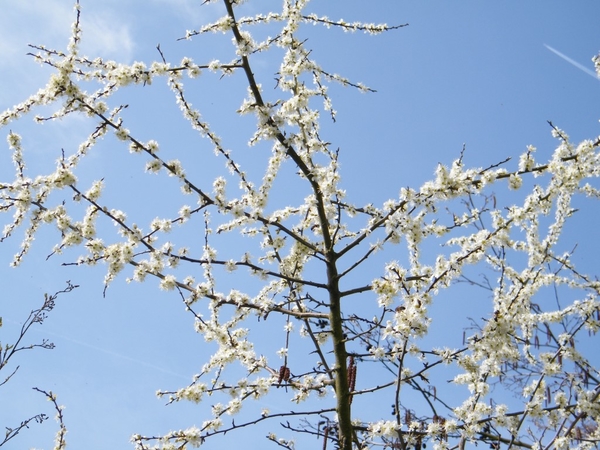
(282, 374)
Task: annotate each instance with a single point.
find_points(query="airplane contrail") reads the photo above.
(110, 352)
(119, 355)
(573, 62)
(271, 406)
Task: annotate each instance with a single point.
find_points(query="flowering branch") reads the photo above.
(317, 272)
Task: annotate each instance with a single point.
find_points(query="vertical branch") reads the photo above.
(342, 391)
(335, 310)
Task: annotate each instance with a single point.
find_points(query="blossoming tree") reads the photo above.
(302, 262)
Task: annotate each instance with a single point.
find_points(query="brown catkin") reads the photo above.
(351, 376)
(325, 433)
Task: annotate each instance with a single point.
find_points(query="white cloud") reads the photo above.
(105, 35)
(22, 23)
(193, 11)
(33, 22)
(48, 23)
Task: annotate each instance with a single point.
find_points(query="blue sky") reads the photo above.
(484, 74)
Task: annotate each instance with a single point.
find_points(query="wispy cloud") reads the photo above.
(106, 33)
(193, 12)
(106, 36)
(22, 23)
(581, 67)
